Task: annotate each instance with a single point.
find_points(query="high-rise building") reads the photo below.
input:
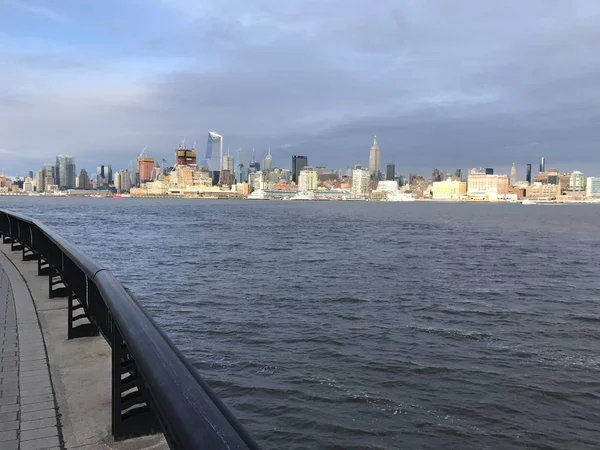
(228, 163)
(593, 187)
(374, 159)
(489, 171)
(145, 168)
(576, 181)
(513, 175)
(298, 163)
(542, 164)
(308, 179)
(104, 175)
(30, 174)
(268, 162)
(458, 174)
(437, 175)
(123, 181)
(84, 180)
(390, 171)
(65, 172)
(528, 173)
(214, 152)
(361, 182)
(39, 181)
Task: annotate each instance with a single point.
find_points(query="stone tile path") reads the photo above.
(28, 414)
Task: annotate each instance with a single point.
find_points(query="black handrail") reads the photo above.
(154, 388)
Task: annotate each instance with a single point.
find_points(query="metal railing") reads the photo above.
(154, 387)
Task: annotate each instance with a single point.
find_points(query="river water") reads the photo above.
(350, 325)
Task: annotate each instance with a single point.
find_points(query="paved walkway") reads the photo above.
(28, 412)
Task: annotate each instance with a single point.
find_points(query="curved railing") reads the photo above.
(154, 387)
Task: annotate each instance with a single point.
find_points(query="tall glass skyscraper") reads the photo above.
(214, 152)
(65, 172)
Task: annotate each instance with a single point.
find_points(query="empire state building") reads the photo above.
(374, 158)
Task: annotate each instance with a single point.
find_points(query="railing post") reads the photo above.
(131, 414)
(75, 304)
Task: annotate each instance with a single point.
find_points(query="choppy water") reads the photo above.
(345, 325)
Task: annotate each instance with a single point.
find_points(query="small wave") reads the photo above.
(347, 300)
(457, 334)
(594, 319)
(431, 370)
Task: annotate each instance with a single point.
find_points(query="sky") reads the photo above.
(443, 83)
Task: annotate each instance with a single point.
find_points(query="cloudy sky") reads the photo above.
(443, 83)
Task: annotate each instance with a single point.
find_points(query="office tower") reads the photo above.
(65, 172)
(39, 181)
(30, 174)
(145, 168)
(268, 162)
(84, 180)
(374, 158)
(592, 187)
(528, 173)
(542, 164)
(228, 163)
(308, 179)
(298, 163)
(401, 180)
(361, 182)
(254, 166)
(489, 171)
(390, 171)
(104, 175)
(513, 175)
(458, 174)
(214, 152)
(437, 175)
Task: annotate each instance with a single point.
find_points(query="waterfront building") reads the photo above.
(593, 187)
(65, 172)
(528, 173)
(104, 175)
(28, 185)
(374, 166)
(542, 164)
(256, 180)
(145, 168)
(448, 190)
(361, 182)
(84, 180)
(539, 191)
(308, 179)
(486, 187)
(576, 181)
(513, 174)
(298, 163)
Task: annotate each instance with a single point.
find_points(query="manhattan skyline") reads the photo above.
(451, 85)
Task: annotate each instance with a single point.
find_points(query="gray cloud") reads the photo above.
(442, 84)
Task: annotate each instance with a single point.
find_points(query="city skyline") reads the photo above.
(441, 86)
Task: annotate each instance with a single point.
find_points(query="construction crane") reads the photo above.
(143, 151)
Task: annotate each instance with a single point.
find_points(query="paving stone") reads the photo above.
(7, 426)
(36, 399)
(39, 423)
(7, 436)
(37, 406)
(39, 444)
(8, 417)
(33, 415)
(38, 434)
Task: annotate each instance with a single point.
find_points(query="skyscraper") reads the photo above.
(390, 171)
(298, 163)
(145, 167)
(458, 174)
(65, 172)
(513, 175)
(374, 158)
(489, 171)
(214, 152)
(268, 162)
(528, 173)
(84, 180)
(542, 164)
